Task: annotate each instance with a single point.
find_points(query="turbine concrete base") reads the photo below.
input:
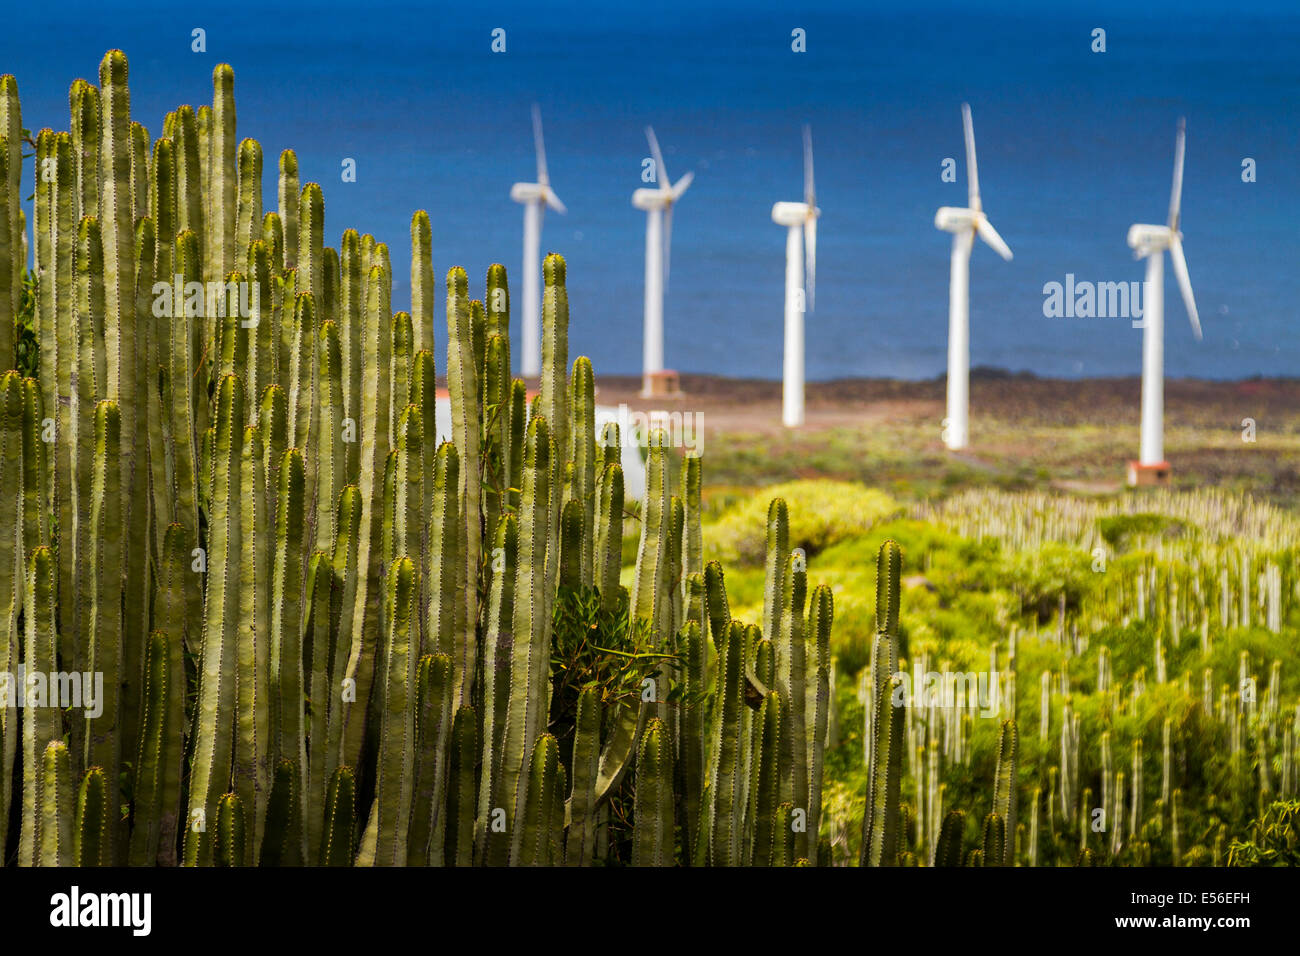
(1142, 476)
(663, 384)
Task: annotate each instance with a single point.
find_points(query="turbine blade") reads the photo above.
(668, 241)
(539, 146)
(972, 170)
(553, 201)
(1176, 194)
(990, 236)
(810, 258)
(1185, 284)
(661, 171)
(809, 192)
(683, 184)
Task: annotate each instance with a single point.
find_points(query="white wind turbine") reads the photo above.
(534, 197)
(800, 219)
(1151, 242)
(658, 205)
(964, 224)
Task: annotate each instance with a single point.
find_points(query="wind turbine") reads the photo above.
(800, 219)
(534, 197)
(658, 205)
(1150, 242)
(964, 224)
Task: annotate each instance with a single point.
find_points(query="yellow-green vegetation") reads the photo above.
(822, 514)
(1144, 647)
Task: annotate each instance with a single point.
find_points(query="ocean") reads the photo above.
(1073, 147)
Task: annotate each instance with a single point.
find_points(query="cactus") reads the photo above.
(213, 747)
(12, 583)
(821, 613)
(90, 825)
(528, 685)
(1004, 794)
(338, 842)
(462, 383)
(285, 674)
(947, 851)
(56, 822)
(539, 837)
(653, 832)
(395, 781)
(422, 282)
(230, 848)
(723, 814)
(497, 668)
(767, 786)
(880, 823)
(792, 665)
(428, 830)
(460, 795)
(993, 846)
(159, 763)
(288, 620)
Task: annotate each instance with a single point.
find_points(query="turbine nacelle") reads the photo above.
(958, 220)
(955, 219)
(648, 199)
(1146, 238)
(536, 192)
(793, 213)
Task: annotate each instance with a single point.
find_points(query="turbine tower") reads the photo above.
(658, 205)
(534, 197)
(800, 219)
(964, 224)
(1150, 242)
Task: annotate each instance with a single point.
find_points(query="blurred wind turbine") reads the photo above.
(800, 218)
(658, 205)
(964, 224)
(1150, 242)
(534, 197)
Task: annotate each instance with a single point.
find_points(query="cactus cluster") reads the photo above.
(324, 637)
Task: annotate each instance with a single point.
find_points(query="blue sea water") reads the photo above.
(1074, 146)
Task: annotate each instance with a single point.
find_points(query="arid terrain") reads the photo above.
(1025, 432)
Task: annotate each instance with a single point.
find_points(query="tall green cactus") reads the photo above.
(880, 825)
(213, 748)
(374, 448)
(90, 824)
(426, 839)
(791, 678)
(723, 816)
(538, 843)
(288, 203)
(245, 523)
(338, 835)
(530, 661)
(56, 822)
(422, 282)
(462, 383)
(160, 759)
(652, 843)
(821, 614)
(44, 723)
(1004, 792)
(498, 660)
(12, 578)
(395, 781)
